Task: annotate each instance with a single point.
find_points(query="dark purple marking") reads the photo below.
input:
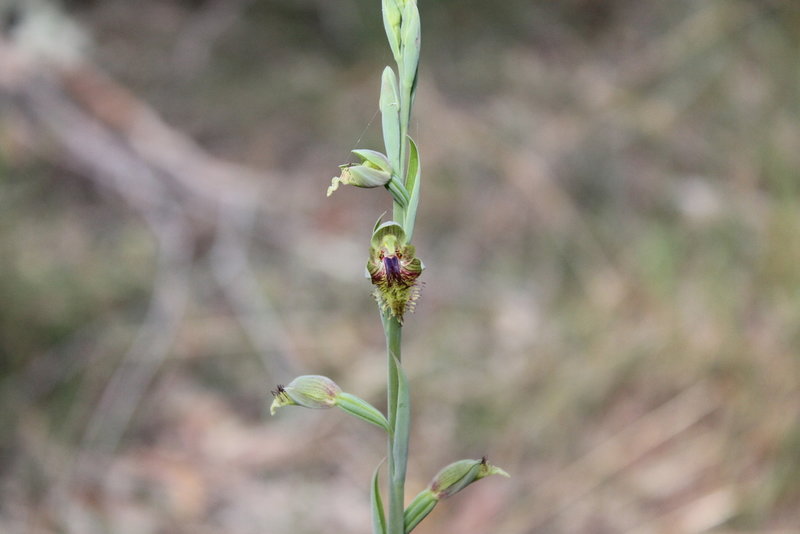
(391, 265)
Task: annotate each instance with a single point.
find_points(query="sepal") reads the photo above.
(373, 158)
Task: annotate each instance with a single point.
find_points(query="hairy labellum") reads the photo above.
(394, 269)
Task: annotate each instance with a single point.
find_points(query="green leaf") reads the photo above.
(390, 116)
(419, 508)
(413, 178)
(378, 517)
(363, 410)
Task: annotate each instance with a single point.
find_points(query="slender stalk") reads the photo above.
(397, 475)
(394, 331)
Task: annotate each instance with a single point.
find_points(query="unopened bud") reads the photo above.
(359, 176)
(309, 391)
(461, 474)
(319, 392)
(447, 482)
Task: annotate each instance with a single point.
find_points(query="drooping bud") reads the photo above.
(374, 170)
(461, 474)
(309, 391)
(319, 392)
(359, 176)
(447, 482)
(394, 269)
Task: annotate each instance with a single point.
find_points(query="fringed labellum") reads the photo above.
(394, 269)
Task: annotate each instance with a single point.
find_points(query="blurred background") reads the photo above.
(609, 222)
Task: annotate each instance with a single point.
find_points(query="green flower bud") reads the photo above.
(447, 482)
(454, 478)
(461, 474)
(309, 391)
(394, 269)
(319, 392)
(359, 176)
(374, 170)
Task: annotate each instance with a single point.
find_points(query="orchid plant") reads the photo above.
(394, 270)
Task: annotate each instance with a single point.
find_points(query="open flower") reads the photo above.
(394, 269)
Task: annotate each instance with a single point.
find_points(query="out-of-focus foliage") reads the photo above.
(611, 234)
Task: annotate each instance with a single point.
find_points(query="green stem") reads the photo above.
(393, 331)
(397, 385)
(397, 474)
